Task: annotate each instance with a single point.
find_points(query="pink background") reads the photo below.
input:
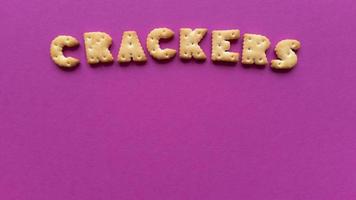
(178, 131)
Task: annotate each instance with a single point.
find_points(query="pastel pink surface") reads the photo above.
(178, 130)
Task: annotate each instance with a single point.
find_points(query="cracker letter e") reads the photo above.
(221, 45)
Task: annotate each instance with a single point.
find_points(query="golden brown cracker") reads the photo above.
(287, 57)
(131, 48)
(97, 46)
(153, 46)
(254, 48)
(189, 43)
(221, 45)
(56, 51)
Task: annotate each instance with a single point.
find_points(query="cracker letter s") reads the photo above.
(284, 50)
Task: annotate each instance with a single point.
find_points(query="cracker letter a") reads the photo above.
(153, 43)
(131, 48)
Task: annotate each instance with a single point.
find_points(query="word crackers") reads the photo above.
(97, 45)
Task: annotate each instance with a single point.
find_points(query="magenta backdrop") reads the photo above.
(178, 131)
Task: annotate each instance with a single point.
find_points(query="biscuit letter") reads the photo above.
(189, 43)
(97, 46)
(153, 43)
(221, 44)
(56, 50)
(254, 49)
(284, 50)
(131, 48)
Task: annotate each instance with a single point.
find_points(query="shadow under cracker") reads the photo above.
(163, 61)
(224, 64)
(69, 69)
(127, 64)
(102, 64)
(192, 60)
(253, 66)
(282, 71)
